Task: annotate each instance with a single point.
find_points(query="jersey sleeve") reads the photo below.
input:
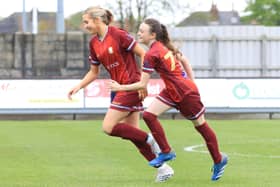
(149, 64)
(126, 40)
(92, 59)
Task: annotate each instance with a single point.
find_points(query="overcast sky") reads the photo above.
(73, 6)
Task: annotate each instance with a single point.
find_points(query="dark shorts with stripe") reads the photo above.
(190, 106)
(126, 101)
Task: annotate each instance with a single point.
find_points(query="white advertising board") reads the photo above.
(214, 93)
(38, 94)
(243, 93)
(254, 93)
(97, 94)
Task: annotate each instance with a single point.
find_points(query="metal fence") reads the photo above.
(214, 52)
(231, 51)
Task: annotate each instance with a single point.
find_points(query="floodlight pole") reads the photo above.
(24, 24)
(34, 20)
(60, 17)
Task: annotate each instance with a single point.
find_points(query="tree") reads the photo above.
(74, 22)
(265, 12)
(130, 13)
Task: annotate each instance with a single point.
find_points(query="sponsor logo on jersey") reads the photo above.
(113, 65)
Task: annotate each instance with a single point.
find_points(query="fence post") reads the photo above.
(23, 47)
(263, 54)
(214, 56)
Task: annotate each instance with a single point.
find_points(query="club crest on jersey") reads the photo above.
(110, 50)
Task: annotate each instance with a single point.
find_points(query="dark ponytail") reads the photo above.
(161, 33)
(166, 40)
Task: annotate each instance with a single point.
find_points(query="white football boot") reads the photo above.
(165, 172)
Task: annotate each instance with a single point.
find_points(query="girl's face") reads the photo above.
(90, 24)
(144, 35)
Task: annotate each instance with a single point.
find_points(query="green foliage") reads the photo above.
(131, 13)
(79, 154)
(265, 12)
(74, 22)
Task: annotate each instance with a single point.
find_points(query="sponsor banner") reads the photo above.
(39, 94)
(98, 95)
(254, 93)
(214, 93)
(239, 92)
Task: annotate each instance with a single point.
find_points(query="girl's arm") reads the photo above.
(140, 52)
(88, 78)
(114, 86)
(186, 65)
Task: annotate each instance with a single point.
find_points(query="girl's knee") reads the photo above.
(106, 129)
(147, 116)
(199, 121)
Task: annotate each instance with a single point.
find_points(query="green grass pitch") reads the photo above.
(79, 154)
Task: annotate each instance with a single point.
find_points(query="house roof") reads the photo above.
(229, 18)
(13, 23)
(9, 24)
(212, 17)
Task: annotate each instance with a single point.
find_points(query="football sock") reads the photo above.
(129, 132)
(145, 150)
(136, 136)
(157, 131)
(211, 141)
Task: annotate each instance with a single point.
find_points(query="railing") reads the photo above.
(102, 111)
(239, 51)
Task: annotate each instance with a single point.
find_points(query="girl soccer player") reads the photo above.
(115, 49)
(179, 92)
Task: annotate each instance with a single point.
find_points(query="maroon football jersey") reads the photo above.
(160, 59)
(115, 53)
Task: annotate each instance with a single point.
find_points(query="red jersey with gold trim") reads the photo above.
(115, 53)
(160, 59)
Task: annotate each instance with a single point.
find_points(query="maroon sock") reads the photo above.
(136, 136)
(129, 132)
(145, 150)
(157, 131)
(211, 141)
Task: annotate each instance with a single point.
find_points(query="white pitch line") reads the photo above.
(193, 148)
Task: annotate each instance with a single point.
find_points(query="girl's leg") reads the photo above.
(210, 138)
(133, 119)
(192, 108)
(112, 126)
(156, 108)
(126, 125)
(144, 148)
(220, 160)
(148, 149)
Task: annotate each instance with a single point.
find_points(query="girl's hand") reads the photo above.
(142, 93)
(73, 91)
(179, 56)
(113, 85)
